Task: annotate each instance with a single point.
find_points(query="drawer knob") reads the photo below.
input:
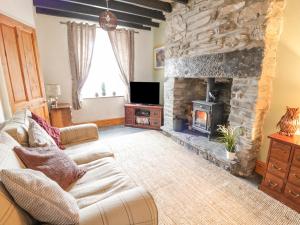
(276, 168)
(293, 194)
(296, 175)
(272, 185)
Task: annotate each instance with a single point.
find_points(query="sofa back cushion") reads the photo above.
(17, 126)
(8, 158)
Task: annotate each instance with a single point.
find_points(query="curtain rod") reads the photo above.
(136, 32)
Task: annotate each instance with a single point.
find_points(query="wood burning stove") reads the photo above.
(207, 115)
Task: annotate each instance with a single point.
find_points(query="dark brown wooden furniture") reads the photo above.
(144, 116)
(61, 115)
(282, 176)
(20, 61)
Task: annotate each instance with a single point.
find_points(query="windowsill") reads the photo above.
(117, 96)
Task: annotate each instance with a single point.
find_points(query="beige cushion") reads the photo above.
(8, 158)
(38, 137)
(18, 126)
(87, 152)
(40, 196)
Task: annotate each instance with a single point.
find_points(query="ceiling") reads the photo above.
(139, 14)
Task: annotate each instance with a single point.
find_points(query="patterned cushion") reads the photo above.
(40, 196)
(52, 162)
(54, 132)
(38, 137)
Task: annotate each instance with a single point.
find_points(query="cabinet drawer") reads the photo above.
(294, 176)
(155, 113)
(292, 193)
(296, 158)
(272, 182)
(155, 123)
(280, 151)
(277, 168)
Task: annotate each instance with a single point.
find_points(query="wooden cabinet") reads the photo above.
(282, 176)
(61, 115)
(144, 116)
(20, 61)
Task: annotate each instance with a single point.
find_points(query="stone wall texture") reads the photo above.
(226, 39)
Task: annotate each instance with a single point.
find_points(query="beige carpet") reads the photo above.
(190, 190)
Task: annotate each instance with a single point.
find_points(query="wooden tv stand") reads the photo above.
(144, 116)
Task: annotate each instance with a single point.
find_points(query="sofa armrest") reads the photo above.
(135, 206)
(79, 133)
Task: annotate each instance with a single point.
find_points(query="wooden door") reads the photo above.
(20, 62)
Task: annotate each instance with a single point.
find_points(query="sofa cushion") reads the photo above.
(37, 136)
(8, 158)
(40, 196)
(102, 180)
(17, 126)
(52, 162)
(54, 132)
(86, 152)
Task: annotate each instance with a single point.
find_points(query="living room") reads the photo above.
(149, 112)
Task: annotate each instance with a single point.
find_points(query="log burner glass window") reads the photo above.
(201, 119)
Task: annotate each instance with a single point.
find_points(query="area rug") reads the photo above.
(189, 190)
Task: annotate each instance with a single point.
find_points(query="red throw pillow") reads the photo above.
(54, 132)
(54, 163)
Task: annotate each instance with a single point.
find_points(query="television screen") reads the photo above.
(144, 92)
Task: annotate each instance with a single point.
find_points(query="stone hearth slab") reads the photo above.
(210, 150)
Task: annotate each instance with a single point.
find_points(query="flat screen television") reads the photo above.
(144, 93)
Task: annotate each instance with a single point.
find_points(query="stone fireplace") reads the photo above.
(235, 43)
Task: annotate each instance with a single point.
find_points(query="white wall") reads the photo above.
(23, 11)
(52, 40)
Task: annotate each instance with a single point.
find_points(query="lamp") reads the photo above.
(108, 20)
(53, 91)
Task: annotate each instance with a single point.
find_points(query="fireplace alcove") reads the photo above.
(202, 139)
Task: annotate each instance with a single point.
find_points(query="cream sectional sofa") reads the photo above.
(105, 195)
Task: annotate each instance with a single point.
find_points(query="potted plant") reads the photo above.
(229, 136)
(103, 88)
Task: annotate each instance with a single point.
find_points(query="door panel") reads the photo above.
(20, 60)
(31, 65)
(13, 61)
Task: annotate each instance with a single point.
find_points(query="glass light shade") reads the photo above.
(108, 21)
(53, 90)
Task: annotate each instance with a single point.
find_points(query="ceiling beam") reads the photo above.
(53, 12)
(123, 7)
(92, 11)
(152, 4)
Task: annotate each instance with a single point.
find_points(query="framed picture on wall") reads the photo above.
(159, 57)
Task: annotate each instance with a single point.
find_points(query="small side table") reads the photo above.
(61, 116)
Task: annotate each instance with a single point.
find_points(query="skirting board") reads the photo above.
(260, 167)
(108, 122)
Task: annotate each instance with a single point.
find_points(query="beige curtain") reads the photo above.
(122, 42)
(81, 40)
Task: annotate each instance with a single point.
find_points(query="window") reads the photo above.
(104, 77)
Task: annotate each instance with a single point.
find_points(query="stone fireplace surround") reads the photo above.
(186, 75)
(224, 39)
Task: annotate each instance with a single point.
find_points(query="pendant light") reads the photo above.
(107, 20)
